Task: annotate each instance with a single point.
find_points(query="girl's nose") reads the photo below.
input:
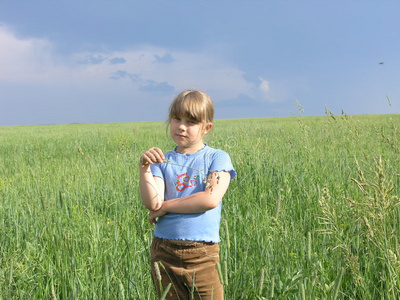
(182, 126)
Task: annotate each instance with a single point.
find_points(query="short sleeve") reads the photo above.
(221, 161)
(156, 170)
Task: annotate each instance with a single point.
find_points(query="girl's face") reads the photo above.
(188, 134)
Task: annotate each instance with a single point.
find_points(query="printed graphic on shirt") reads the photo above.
(184, 181)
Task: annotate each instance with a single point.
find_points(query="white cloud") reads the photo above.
(35, 61)
(264, 85)
(22, 60)
(265, 93)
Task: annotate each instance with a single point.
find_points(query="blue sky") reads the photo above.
(100, 61)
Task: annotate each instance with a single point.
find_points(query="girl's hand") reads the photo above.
(154, 214)
(152, 156)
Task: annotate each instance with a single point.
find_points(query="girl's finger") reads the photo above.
(151, 157)
(160, 153)
(157, 156)
(152, 220)
(145, 160)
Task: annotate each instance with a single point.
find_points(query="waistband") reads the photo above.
(183, 243)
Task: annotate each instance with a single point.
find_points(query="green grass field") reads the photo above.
(312, 214)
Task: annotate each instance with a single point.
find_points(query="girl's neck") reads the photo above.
(190, 149)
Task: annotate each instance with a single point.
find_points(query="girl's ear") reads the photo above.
(208, 127)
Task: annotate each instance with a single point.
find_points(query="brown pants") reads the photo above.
(190, 268)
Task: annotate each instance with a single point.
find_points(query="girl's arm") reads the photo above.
(151, 188)
(218, 183)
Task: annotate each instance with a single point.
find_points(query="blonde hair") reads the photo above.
(193, 105)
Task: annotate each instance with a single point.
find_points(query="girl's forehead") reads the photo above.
(189, 110)
(184, 115)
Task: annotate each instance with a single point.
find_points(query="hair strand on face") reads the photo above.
(193, 105)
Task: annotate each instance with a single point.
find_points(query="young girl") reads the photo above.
(183, 190)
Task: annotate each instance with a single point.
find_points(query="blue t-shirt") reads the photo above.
(184, 175)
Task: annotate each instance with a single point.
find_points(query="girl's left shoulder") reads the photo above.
(216, 152)
(218, 155)
(221, 161)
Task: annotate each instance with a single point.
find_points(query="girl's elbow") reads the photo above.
(149, 206)
(214, 202)
(156, 206)
(153, 206)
